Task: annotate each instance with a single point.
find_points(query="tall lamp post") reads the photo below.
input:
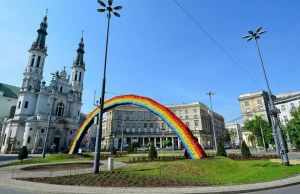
(122, 142)
(212, 119)
(273, 112)
(100, 115)
(163, 134)
(50, 115)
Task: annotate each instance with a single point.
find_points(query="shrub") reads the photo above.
(186, 154)
(245, 150)
(113, 151)
(221, 150)
(23, 153)
(152, 152)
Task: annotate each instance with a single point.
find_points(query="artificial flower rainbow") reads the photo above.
(182, 131)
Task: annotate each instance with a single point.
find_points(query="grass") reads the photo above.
(49, 159)
(217, 170)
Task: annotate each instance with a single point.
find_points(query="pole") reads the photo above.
(289, 140)
(49, 122)
(263, 138)
(212, 120)
(274, 114)
(122, 139)
(100, 115)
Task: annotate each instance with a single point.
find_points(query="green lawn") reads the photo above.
(216, 170)
(49, 159)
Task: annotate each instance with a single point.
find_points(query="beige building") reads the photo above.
(142, 126)
(255, 104)
(235, 132)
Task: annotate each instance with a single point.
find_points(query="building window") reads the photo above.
(75, 76)
(195, 116)
(157, 125)
(282, 108)
(196, 123)
(285, 119)
(61, 89)
(32, 60)
(40, 142)
(262, 116)
(26, 104)
(260, 108)
(42, 130)
(292, 105)
(19, 105)
(187, 124)
(180, 117)
(133, 125)
(79, 76)
(186, 111)
(28, 139)
(132, 118)
(180, 112)
(127, 118)
(60, 109)
(248, 110)
(145, 125)
(78, 113)
(175, 112)
(162, 125)
(38, 61)
(12, 111)
(195, 110)
(259, 101)
(246, 103)
(30, 129)
(151, 125)
(186, 116)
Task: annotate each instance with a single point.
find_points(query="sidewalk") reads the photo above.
(7, 182)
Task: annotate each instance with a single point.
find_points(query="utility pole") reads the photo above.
(212, 120)
(263, 138)
(273, 112)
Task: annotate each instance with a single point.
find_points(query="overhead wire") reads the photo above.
(218, 44)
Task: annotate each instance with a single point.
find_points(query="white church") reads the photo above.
(63, 96)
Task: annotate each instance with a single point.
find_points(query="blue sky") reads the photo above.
(156, 50)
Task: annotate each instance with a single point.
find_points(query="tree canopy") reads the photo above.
(254, 126)
(293, 128)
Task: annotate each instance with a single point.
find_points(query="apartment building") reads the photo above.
(140, 125)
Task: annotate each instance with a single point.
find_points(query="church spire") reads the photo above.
(42, 33)
(80, 51)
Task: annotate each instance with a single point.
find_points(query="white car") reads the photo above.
(169, 148)
(142, 149)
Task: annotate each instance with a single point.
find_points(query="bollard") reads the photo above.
(110, 163)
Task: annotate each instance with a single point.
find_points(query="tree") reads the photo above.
(221, 150)
(293, 128)
(23, 153)
(254, 126)
(152, 152)
(245, 150)
(167, 143)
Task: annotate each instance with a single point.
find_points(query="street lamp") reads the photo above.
(212, 118)
(100, 115)
(50, 115)
(273, 112)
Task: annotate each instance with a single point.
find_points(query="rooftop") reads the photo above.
(9, 90)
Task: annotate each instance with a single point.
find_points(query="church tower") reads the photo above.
(33, 74)
(78, 69)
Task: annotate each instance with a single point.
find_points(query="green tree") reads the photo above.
(293, 128)
(254, 126)
(152, 152)
(245, 150)
(23, 153)
(167, 143)
(221, 150)
(113, 151)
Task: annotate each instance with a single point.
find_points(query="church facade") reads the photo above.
(36, 100)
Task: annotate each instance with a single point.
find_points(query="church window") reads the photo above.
(42, 65)
(79, 76)
(28, 139)
(32, 60)
(29, 88)
(60, 109)
(26, 104)
(78, 113)
(12, 111)
(19, 105)
(71, 132)
(42, 130)
(30, 129)
(76, 76)
(61, 89)
(40, 142)
(38, 61)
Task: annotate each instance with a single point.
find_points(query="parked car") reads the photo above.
(227, 146)
(169, 148)
(142, 149)
(157, 148)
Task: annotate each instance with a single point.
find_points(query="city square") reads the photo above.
(155, 125)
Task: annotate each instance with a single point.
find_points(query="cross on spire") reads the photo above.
(82, 33)
(47, 11)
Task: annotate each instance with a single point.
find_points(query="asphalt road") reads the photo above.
(286, 190)
(7, 191)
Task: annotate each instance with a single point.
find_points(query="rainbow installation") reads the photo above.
(182, 131)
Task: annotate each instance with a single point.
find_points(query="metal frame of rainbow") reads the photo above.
(183, 132)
